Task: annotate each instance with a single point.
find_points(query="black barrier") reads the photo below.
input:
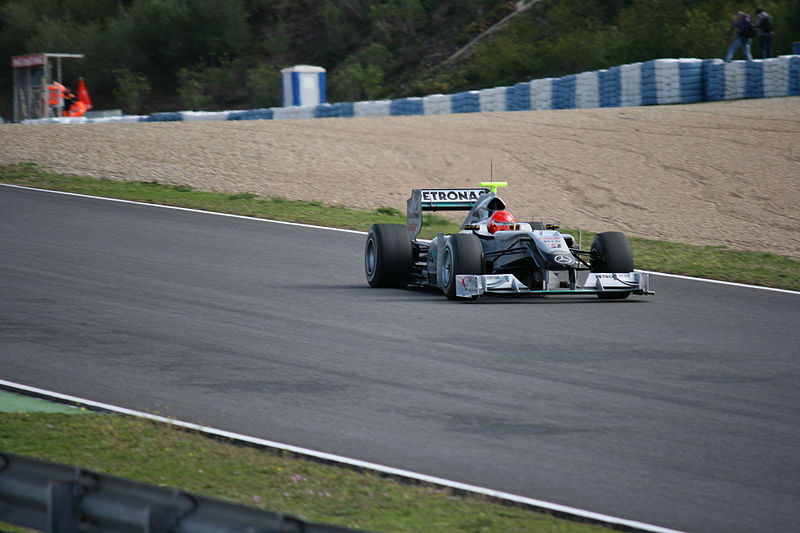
(58, 498)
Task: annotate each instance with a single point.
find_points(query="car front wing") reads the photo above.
(471, 285)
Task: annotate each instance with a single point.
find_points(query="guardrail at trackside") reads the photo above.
(58, 498)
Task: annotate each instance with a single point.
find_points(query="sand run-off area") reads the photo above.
(723, 173)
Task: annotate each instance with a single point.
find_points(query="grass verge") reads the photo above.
(715, 262)
(153, 453)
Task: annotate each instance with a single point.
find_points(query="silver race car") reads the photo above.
(492, 253)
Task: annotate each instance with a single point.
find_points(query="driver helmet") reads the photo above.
(501, 221)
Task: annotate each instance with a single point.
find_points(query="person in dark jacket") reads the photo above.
(743, 27)
(763, 24)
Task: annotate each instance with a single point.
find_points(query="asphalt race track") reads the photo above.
(679, 409)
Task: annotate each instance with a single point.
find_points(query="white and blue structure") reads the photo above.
(303, 85)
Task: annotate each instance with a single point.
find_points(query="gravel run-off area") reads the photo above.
(721, 174)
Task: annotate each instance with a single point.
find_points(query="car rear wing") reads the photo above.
(439, 200)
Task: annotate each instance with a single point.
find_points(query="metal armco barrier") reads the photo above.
(61, 499)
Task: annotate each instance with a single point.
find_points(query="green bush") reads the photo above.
(361, 75)
(132, 88)
(264, 84)
(192, 89)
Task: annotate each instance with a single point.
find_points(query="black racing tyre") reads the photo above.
(611, 252)
(388, 255)
(463, 254)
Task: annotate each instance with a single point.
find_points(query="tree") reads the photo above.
(131, 91)
(164, 36)
(396, 19)
(361, 75)
(264, 82)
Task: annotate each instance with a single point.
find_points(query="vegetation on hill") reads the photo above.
(162, 55)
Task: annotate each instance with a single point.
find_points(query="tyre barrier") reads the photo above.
(540, 94)
(293, 112)
(175, 116)
(655, 82)
(491, 100)
(466, 102)
(672, 81)
(690, 86)
(337, 110)
(407, 106)
(194, 116)
(518, 97)
(587, 90)
(372, 108)
(436, 104)
(630, 85)
(252, 114)
(609, 83)
(794, 75)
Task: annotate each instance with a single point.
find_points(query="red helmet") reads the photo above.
(501, 220)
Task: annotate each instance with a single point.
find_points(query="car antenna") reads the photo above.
(493, 185)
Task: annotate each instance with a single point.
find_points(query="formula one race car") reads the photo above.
(492, 253)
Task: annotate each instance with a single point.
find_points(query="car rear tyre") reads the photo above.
(463, 254)
(611, 253)
(388, 256)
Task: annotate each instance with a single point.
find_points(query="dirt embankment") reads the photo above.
(725, 173)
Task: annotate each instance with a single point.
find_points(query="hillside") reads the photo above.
(145, 56)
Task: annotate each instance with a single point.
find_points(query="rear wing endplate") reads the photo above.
(439, 200)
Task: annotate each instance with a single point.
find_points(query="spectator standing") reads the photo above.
(744, 35)
(764, 24)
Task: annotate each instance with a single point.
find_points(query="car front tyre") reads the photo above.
(463, 254)
(611, 253)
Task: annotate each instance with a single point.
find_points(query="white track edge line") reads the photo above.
(189, 209)
(720, 282)
(541, 504)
